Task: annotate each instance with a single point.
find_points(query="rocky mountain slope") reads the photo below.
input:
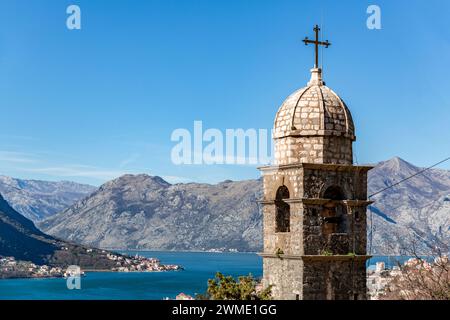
(414, 215)
(148, 212)
(139, 211)
(19, 238)
(37, 200)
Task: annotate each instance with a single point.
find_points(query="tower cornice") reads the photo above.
(321, 166)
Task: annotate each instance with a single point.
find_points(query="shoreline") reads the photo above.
(240, 252)
(86, 271)
(180, 251)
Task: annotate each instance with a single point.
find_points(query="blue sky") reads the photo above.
(89, 105)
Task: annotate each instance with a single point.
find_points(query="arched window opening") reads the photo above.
(283, 211)
(334, 193)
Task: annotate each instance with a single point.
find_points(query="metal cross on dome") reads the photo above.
(317, 43)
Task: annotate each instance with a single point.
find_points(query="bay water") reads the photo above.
(198, 268)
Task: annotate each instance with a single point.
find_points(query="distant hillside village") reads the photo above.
(139, 264)
(12, 268)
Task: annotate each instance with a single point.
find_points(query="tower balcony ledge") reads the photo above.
(321, 166)
(321, 201)
(316, 257)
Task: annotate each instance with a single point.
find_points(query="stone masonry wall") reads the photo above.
(334, 279)
(286, 276)
(318, 149)
(352, 182)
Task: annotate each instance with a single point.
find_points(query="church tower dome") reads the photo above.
(313, 125)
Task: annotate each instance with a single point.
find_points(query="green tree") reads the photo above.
(227, 288)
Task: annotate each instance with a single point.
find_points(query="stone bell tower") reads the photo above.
(315, 199)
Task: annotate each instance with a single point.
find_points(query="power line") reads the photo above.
(407, 178)
(391, 186)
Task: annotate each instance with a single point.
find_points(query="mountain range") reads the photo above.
(145, 212)
(37, 200)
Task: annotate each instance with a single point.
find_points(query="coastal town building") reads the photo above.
(378, 279)
(183, 296)
(315, 199)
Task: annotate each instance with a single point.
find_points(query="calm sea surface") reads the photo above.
(199, 267)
